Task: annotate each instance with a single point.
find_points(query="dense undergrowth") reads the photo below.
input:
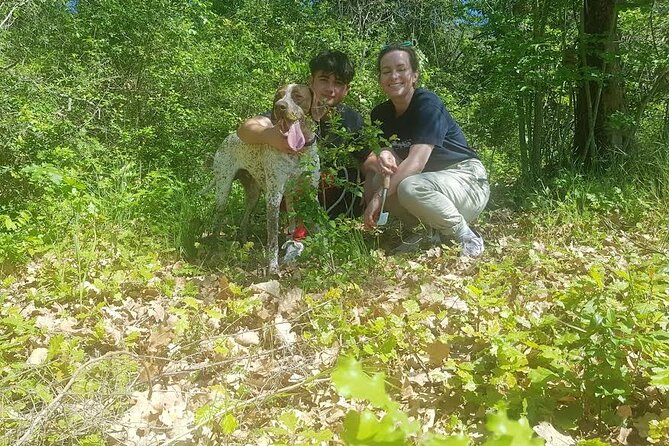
(120, 321)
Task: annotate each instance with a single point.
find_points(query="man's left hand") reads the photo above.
(372, 211)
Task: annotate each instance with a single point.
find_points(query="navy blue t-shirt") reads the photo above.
(426, 121)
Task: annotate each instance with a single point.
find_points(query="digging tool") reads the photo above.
(383, 216)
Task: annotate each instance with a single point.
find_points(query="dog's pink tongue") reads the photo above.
(295, 136)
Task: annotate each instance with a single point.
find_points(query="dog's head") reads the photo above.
(293, 103)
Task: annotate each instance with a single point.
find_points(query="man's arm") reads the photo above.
(412, 165)
(371, 165)
(389, 164)
(260, 130)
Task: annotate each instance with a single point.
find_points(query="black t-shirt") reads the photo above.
(426, 121)
(345, 116)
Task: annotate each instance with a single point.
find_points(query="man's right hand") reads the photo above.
(260, 130)
(387, 163)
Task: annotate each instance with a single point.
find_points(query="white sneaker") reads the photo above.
(472, 245)
(293, 250)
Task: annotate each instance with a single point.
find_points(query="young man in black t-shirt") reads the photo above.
(330, 78)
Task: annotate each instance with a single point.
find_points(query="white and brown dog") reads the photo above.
(260, 167)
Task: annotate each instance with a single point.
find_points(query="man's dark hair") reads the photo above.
(333, 62)
(407, 48)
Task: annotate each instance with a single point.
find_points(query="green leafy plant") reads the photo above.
(395, 428)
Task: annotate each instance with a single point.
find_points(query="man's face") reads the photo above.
(327, 88)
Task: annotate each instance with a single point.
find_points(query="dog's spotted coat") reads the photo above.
(261, 167)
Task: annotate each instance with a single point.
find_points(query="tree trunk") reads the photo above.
(595, 141)
(536, 155)
(522, 137)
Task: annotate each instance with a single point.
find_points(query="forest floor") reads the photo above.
(562, 321)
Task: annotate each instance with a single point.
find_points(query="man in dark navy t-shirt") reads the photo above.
(428, 171)
(331, 75)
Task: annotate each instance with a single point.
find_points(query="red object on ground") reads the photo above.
(300, 232)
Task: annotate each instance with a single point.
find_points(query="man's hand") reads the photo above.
(384, 164)
(260, 130)
(372, 211)
(387, 163)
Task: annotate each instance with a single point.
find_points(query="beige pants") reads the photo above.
(444, 200)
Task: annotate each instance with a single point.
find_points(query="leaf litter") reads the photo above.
(206, 349)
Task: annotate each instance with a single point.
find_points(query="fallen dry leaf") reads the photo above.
(455, 303)
(157, 311)
(437, 351)
(420, 378)
(163, 409)
(328, 356)
(37, 356)
(160, 338)
(283, 332)
(273, 288)
(290, 302)
(552, 437)
(247, 338)
(224, 291)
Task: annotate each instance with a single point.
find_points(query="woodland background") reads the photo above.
(120, 323)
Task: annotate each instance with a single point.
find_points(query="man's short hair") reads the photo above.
(333, 62)
(407, 47)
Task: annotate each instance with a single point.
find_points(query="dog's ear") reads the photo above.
(280, 92)
(317, 110)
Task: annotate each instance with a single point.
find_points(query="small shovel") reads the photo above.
(383, 216)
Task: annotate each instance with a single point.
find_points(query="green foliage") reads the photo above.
(658, 431)
(364, 428)
(507, 432)
(352, 382)
(395, 428)
(108, 119)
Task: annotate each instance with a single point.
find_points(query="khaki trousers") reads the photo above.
(445, 200)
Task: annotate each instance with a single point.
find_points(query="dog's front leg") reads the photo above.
(288, 201)
(315, 168)
(273, 202)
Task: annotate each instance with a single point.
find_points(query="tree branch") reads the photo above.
(44, 414)
(7, 21)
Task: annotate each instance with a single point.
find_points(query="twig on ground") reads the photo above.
(44, 414)
(242, 404)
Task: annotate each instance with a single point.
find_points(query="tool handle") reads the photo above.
(386, 181)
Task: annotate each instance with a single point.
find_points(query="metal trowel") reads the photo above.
(383, 216)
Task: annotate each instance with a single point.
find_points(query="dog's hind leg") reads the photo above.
(252, 194)
(223, 184)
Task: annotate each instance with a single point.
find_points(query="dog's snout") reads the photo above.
(289, 104)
